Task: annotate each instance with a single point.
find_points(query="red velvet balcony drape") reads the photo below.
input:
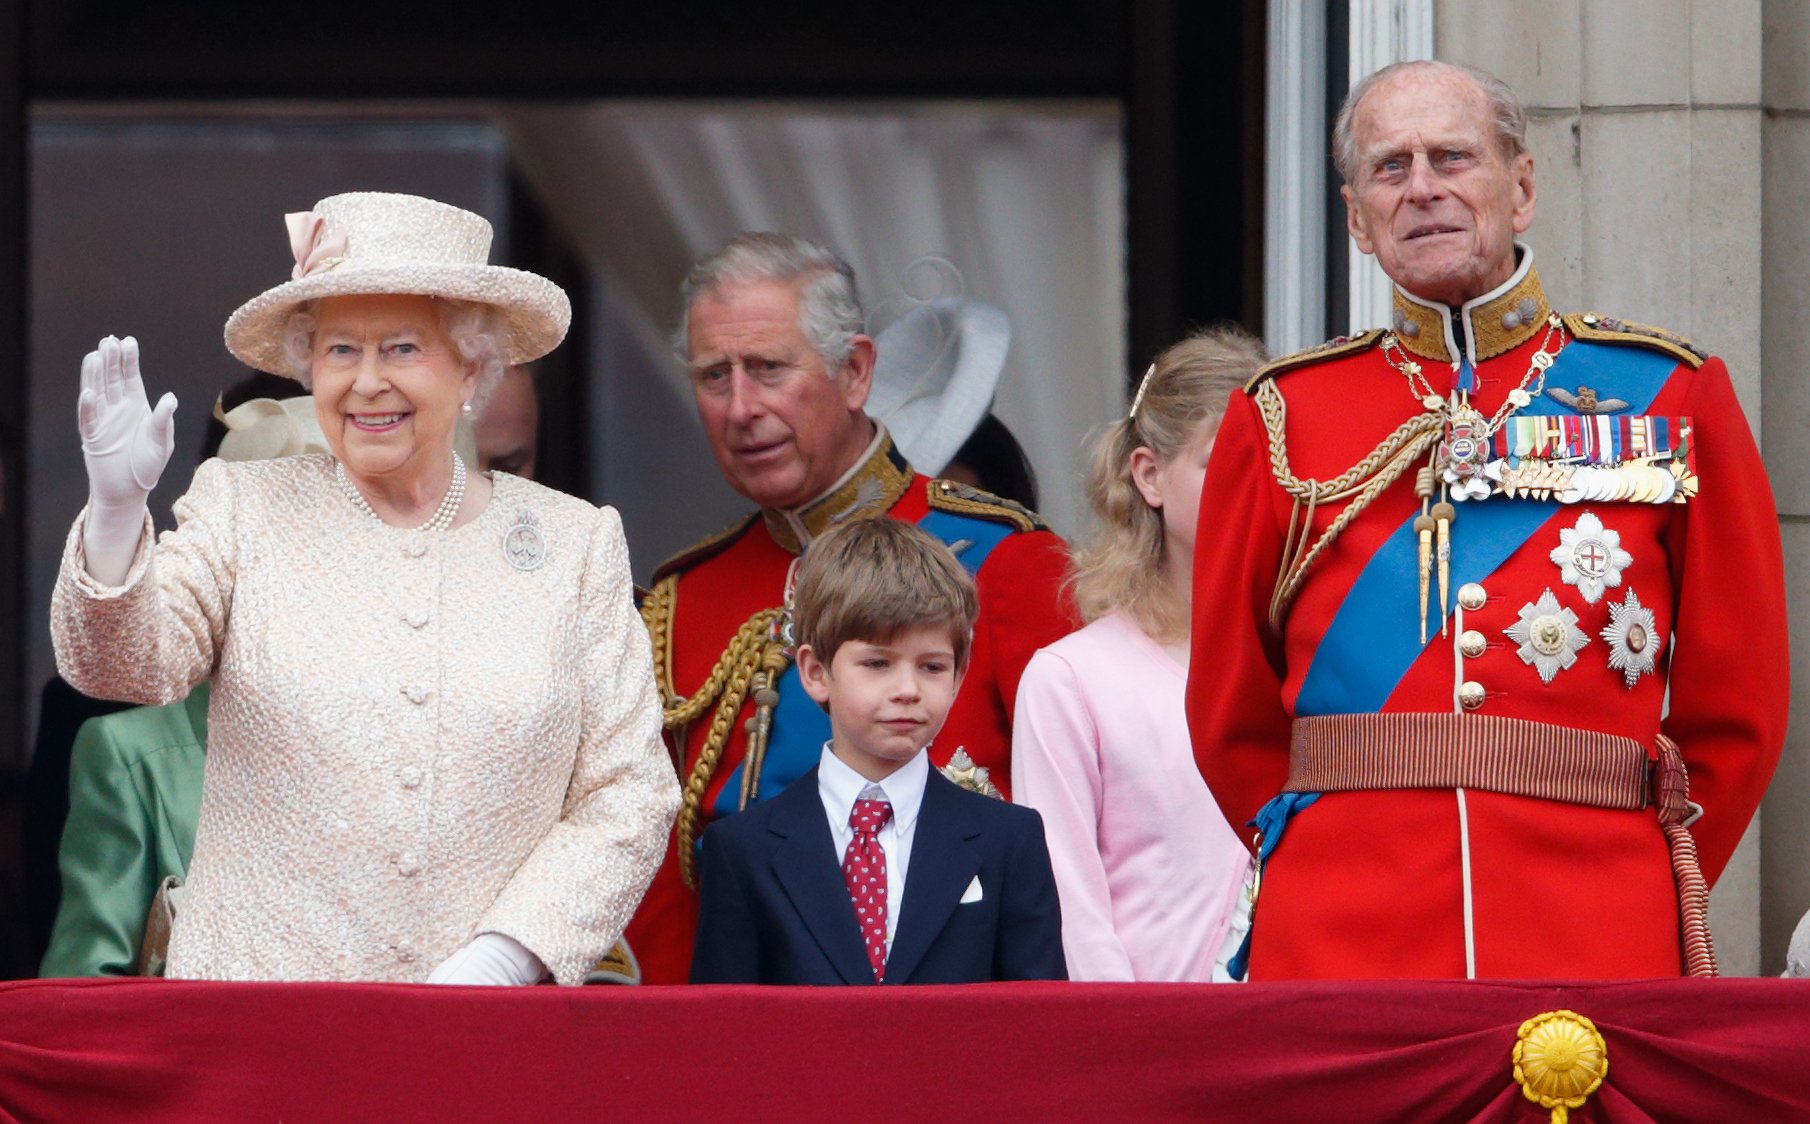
(151, 1050)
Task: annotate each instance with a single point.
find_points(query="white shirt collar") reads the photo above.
(841, 786)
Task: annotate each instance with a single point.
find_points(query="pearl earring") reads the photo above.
(465, 408)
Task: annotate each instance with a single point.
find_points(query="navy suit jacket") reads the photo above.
(773, 908)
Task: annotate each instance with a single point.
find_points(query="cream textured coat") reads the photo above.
(411, 741)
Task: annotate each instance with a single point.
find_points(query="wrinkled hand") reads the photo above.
(491, 959)
(125, 443)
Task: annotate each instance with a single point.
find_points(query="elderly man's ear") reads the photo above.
(1354, 221)
(858, 372)
(1524, 192)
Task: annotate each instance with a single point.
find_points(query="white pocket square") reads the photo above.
(972, 893)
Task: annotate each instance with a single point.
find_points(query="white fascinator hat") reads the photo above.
(371, 242)
(935, 370)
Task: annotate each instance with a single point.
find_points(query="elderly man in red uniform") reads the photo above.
(780, 369)
(1449, 572)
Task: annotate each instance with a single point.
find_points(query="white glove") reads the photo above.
(491, 959)
(126, 445)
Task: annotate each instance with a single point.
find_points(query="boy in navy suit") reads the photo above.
(873, 867)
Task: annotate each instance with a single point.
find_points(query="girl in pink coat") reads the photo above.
(1151, 878)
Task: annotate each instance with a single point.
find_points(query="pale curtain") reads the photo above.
(1025, 199)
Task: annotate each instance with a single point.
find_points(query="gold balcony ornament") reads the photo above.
(1560, 1060)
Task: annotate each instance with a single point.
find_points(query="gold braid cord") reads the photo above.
(750, 651)
(1361, 483)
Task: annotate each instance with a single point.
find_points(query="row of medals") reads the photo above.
(1470, 473)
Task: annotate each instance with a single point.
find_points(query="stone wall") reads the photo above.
(1671, 141)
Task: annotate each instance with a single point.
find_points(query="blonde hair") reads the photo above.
(872, 579)
(1122, 568)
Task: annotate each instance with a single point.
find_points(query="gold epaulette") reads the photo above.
(1331, 349)
(1598, 328)
(704, 548)
(964, 499)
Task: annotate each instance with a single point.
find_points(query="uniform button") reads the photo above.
(407, 864)
(1470, 694)
(415, 548)
(1471, 643)
(411, 777)
(1472, 596)
(416, 693)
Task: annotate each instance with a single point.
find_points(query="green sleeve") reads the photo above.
(134, 797)
(106, 864)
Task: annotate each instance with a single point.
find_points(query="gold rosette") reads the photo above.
(1560, 1059)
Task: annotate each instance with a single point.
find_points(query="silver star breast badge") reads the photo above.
(1548, 636)
(964, 772)
(1590, 557)
(1633, 638)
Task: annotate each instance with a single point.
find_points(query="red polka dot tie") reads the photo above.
(864, 870)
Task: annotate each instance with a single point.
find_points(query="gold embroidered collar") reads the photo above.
(868, 489)
(1483, 328)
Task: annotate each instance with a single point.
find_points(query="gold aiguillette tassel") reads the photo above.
(1423, 527)
(1443, 514)
(1423, 531)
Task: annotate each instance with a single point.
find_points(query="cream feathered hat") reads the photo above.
(367, 242)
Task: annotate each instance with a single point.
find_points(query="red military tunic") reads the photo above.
(1448, 882)
(719, 585)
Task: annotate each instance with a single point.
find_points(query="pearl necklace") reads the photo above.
(443, 515)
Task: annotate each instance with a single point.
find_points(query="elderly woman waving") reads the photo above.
(434, 737)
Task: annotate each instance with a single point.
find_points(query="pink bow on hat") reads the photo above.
(313, 250)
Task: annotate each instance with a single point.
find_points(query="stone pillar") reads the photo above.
(1785, 350)
(1647, 128)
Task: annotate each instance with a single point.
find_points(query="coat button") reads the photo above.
(405, 954)
(415, 618)
(407, 864)
(1471, 643)
(1472, 596)
(415, 548)
(1470, 694)
(415, 693)
(411, 777)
